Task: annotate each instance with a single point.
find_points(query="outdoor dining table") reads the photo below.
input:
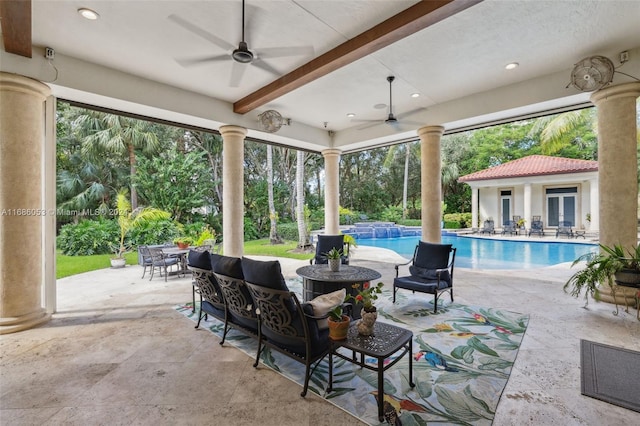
(180, 253)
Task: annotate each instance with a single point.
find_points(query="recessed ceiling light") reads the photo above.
(351, 115)
(88, 14)
(415, 95)
(512, 65)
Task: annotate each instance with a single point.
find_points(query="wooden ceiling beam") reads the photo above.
(417, 17)
(15, 18)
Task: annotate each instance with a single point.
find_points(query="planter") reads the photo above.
(628, 276)
(334, 265)
(338, 330)
(183, 245)
(118, 262)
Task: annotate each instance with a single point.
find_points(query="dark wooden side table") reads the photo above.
(319, 279)
(385, 341)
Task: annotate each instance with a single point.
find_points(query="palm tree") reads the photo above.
(117, 134)
(273, 215)
(407, 156)
(303, 239)
(558, 131)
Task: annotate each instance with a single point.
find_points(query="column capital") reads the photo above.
(19, 83)
(426, 130)
(335, 152)
(614, 92)
(232, 130)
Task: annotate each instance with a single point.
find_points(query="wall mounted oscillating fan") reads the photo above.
(592, 73)
(271, 121)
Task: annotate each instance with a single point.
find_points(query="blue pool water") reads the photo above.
(480, 253)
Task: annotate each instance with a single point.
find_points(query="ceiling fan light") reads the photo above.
(512, 65)
(88, 14)
(242, 56)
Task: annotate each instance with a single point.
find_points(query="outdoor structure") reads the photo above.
(553, 188)
(127, 60)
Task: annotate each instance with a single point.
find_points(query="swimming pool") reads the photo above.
(481, 253)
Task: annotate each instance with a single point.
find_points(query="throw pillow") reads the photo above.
(429, 274)
(324, 303)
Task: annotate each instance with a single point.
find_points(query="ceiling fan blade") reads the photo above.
(237, 72)
(264, 66)
(281, 52)
(372, 123)
(189, 62)
(410, 113)
(200, 32)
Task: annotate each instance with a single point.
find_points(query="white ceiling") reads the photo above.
(457, 65)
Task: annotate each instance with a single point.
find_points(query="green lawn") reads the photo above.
(72, 265)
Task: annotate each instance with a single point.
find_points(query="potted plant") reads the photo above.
(521, 223)
(127, 220)
(611, 262)
(335, 258)
(183, 242)
(366, 296)
(207, 236)
(338, 323)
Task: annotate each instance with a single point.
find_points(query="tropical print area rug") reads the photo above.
(462, 359)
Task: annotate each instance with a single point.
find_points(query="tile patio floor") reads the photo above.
(117, 353)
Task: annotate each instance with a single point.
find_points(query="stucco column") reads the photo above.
(233, 190)
(617, 166)
(430, 177)
(22, 133)
(331, 191)
(594, 203)
(527, 204)
(474, 207)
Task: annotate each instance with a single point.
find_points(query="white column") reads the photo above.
(49, 203)
(527, 204)
(594, 202)
(331, 191)
(617, 167)
(430, 178)
(474, 207)
(233, 190)
(22, 135)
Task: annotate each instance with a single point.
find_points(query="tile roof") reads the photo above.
(533, 165)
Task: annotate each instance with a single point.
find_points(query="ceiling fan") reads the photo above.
(240, 55)
(391, 119)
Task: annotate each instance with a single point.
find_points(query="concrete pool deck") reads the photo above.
(117, 352)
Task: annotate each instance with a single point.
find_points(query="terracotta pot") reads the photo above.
(183, 245)
(338, 330)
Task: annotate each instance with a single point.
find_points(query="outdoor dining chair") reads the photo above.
(145, 255)
(488, 228)
(161, 262)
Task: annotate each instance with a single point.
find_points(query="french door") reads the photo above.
(505, 206)
(561, 205)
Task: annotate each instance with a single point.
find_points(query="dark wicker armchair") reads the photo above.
(325, 244)
(431, 271)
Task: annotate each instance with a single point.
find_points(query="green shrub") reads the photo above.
(451, 224)
(88, 237)
(154, 232)
(288, 231)
(410, 222)
(250, 230)
(463, 219)
(392, 214)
